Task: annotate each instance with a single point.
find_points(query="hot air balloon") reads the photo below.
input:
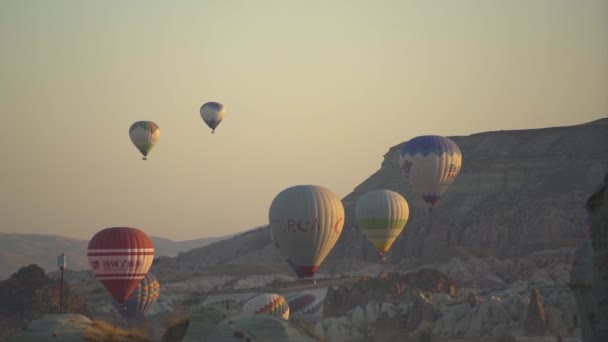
(268, 304)
(144, 135)
(212, 113)
(141, 300)
(430, 163)
(303, 304)
(382, 215)
(306, 221)
(120, 257)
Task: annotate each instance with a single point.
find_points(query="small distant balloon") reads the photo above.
(144, 135)
(212, 113)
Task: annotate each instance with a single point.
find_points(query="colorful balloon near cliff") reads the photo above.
(212, 113)
(141, 300)
(144, 135)
(382, 215)
(267, 304)
(120, 257)
(306, 221)
(430, 163)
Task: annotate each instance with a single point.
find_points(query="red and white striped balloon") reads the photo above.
(120, 257)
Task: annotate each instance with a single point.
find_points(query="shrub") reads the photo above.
(100, 331)
(425, 336)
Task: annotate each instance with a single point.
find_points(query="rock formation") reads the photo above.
(518, 193)
(75, 328)
(597, 206)
(387, 287)
(214, 324)
(535, 324)
(581, 284)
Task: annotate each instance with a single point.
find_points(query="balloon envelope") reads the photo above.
(141, 300)
(306, 221)
(382, 215)
(120, 257)
(302, 304)
(267, 303)
(144, 135)
(212, 113)
(430, 163)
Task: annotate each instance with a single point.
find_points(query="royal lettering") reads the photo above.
(110, 264)
(120, 264)
(129, 263)
(291, 225)
(304, 226)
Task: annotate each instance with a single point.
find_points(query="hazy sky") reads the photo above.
(315, 93)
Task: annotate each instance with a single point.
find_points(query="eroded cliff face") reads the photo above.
(387, 287)
(518, 192)
(581, 285)
(597, 315)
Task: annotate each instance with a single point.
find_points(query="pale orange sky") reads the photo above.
(315, 93)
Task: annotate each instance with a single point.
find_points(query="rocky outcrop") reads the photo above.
(555, 325)
(75, 328)
(29, 294)
(535, 324)
(251, 253)
(214, 324)
(597, 206)
(509, 201)
(581, 284)
(257, 328)
(543, 268)
(511, 311)
(377, 321)
(203, 320)
(387, 287)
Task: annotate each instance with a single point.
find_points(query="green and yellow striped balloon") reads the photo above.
(382, 215)
(144, 135)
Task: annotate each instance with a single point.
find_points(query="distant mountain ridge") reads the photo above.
(518, 192)
(18, 250)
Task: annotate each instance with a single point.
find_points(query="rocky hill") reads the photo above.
(518, 193)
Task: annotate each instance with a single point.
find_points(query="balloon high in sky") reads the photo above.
(315, 93)
(212, 113)
(144, 135)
